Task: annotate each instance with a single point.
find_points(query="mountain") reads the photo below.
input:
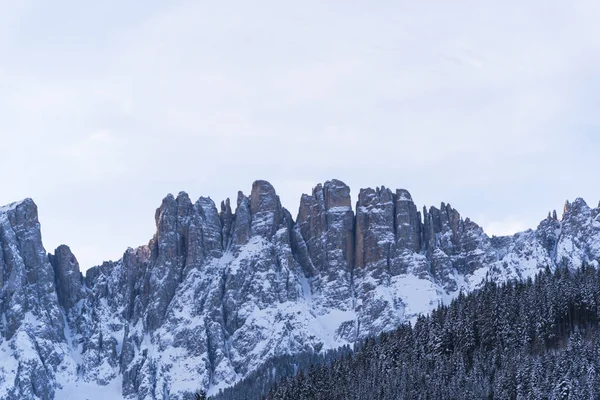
(215, 294)
(532, 339)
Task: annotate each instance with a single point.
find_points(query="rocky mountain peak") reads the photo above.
(22, 214)
(408, 223)
(326, 222)
(336, 194)
(577, 207)
(32, 322)
(266, 209)
(375, 228)
(226, 216)
(215, 293)
(67, 276)
(575, 214)
(263, 197)
(403, 195)
(168, 203)
(242, 220)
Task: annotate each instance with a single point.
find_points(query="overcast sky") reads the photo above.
(105, 107)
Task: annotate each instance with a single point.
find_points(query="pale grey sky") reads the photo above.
(105, 107)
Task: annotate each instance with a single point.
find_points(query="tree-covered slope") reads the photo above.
(536, 339)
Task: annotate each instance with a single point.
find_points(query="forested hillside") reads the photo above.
(276, 369)
(536, 339)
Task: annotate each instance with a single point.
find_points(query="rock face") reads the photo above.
(216, 293)
(68, 279)
(32, 340)
(324, 235)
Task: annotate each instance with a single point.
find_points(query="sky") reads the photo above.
(106, 107)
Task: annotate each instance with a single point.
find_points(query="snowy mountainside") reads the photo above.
(215, 293)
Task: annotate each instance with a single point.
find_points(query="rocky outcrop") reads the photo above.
(576, 244)
(408, 223)
(375, 229)
(32, 339)
(226, 216)
(240, 231)
(266, 210)
(67, 276)
(216, 293)
(325, 237)
(548, 232)
(169, 254)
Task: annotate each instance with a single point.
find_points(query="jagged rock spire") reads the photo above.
(68, 277)
(31, 322)
(326, 223)
(266, 209)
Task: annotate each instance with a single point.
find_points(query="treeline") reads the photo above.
(259, 382)
(536, 339)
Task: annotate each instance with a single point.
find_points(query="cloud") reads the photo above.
(490, 107)
(509, 226)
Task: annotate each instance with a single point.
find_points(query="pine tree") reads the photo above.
(201, 395)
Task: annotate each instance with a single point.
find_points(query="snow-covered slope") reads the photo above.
(215, 294)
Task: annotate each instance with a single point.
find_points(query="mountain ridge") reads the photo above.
(215, 293)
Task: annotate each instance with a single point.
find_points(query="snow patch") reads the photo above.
(80, 390)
